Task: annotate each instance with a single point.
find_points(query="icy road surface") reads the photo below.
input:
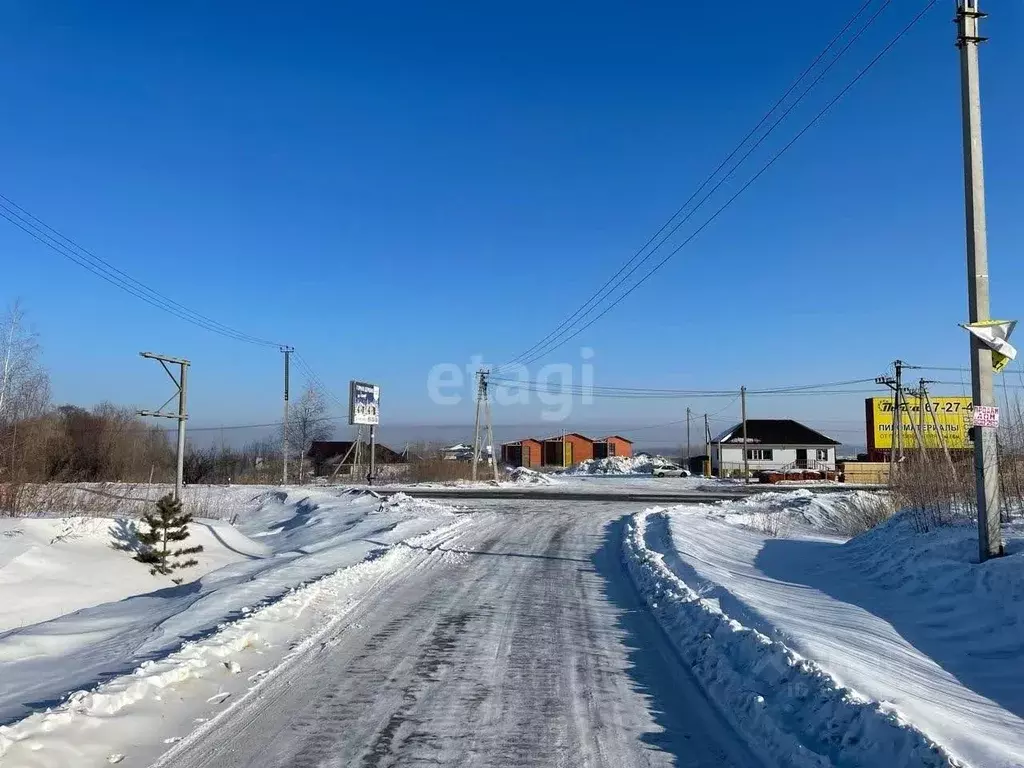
(519, 641)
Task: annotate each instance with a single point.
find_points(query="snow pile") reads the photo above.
(613, 465)
(78, 611)
(89, 727)
(526, 476)
(779, 701)
(840, 513)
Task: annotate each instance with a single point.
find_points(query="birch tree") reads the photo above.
(307, 422)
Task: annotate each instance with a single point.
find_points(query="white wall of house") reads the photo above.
(782, 456)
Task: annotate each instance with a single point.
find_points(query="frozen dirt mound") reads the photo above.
(779, 701)
(526, 476)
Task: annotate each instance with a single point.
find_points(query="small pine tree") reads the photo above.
(169, 524)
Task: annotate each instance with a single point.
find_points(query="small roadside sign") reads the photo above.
(986, 416)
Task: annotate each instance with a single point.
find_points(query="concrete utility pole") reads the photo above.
(743, 413)
(284, 429)
(373, 455)
(986, 456)
(181, 384)
(687, 437)
(707, 447)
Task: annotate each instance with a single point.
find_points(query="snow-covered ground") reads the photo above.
(79, 615)
(906, 625)
(51, 567)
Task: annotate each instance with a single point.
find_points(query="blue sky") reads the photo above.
(389, 187)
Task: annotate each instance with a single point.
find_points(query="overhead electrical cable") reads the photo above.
(69, 249)
(601, 292)
(545, 348)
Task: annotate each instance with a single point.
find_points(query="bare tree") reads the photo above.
(308, 421)
(24, 385)
(24, 394)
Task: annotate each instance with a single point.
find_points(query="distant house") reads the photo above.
(457, 452)
(522, 453)
(463, 452)
(613, 445)
(326, 455)
(774, 444)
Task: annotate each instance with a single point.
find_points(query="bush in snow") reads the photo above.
(168, 525)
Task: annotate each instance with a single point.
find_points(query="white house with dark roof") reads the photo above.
(773, 444)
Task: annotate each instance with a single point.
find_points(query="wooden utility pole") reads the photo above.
(181, 416)
(743, 414)
(490, 432)
(920, 416)
(897, 413)
(935, 423)
(476, 426)
(917, 427)
(986, 455)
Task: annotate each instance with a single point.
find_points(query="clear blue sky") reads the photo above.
(392, 186)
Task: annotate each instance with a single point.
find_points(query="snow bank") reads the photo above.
(101, 725)
(777, 700)
(50, 567)
(284, 538)
(839, 512)
(613, 465)
(907, 619)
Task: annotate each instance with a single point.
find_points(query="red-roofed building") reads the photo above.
(613, 445)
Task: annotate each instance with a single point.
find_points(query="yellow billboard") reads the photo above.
(953, 415)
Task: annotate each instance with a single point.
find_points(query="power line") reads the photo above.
(608, 286)
(550, 346)
(641, 393)
(108, 272)
(69, 249)
(307, 369)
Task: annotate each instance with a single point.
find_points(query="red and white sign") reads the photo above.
(985, 416)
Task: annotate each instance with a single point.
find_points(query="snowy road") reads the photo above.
(518, 641)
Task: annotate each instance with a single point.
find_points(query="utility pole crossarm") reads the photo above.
(164, 358)
(181, 385)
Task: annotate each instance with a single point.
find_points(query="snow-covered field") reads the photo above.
(79, 616)
(861, 638)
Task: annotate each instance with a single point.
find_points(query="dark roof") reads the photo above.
(775, 432)
(333, 450)
(616, 437)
